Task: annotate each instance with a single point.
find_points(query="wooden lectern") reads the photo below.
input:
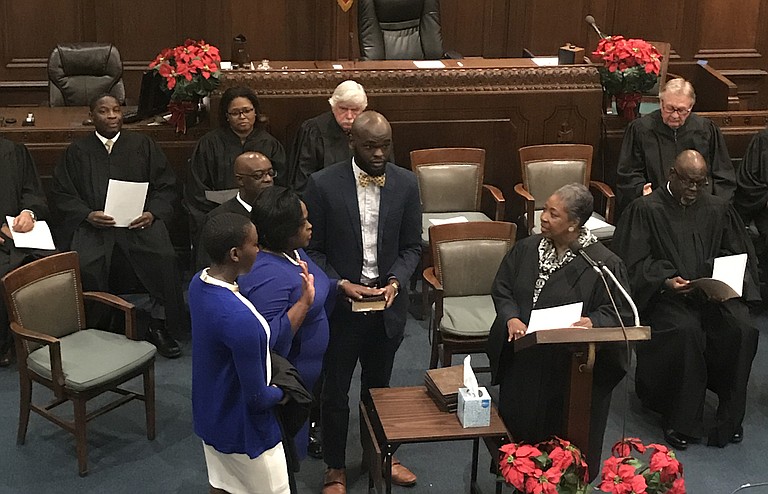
(584, 344)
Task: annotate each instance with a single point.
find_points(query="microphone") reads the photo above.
(591, 21)
(575, 247)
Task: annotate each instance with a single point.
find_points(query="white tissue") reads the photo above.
(470, 380)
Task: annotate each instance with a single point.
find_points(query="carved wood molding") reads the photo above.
(383, 82)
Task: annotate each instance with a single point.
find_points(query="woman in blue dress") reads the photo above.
(274, 286)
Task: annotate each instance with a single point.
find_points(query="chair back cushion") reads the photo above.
(399, 29)
(468, 267)
(446, 187)
(544, 177)
(78, 72)
(55, 315)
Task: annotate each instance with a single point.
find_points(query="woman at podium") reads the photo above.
(543, 271)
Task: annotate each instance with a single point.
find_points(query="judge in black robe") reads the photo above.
(324, 140)
(20, 190)
(751, 198)
(212, 164)
(534, 382)
(652, 142)
(79, 193)
(666, 239)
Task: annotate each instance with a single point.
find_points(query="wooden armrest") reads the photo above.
(116, 302)
(498, 198)
(610, 198)
(54, 349)
(530, 205)
(431, 278)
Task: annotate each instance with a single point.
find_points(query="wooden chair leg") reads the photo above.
(447, 357)
(81, 438)
(25, 402)
(434, 357)
(149, 400)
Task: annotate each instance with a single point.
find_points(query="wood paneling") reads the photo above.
(729, 35)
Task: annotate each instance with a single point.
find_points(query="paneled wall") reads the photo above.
(730, 35)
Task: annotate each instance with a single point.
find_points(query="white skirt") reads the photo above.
(236, 473)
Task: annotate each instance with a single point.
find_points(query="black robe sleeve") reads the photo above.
(21, 187)
(719, 161)
(631, 173)
(752, 177)
(307, 154)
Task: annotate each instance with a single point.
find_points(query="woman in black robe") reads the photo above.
(542, 271)
(212, 164)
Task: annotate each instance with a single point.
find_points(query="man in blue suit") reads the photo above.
(366, 219)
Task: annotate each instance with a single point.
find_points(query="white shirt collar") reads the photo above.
(215, 281)
(247, 206)
(104, 139)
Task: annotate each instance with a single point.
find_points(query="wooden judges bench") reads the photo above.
(496, 104)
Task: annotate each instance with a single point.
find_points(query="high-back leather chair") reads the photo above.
(56, 350)
(77, 72)
(399, 29)
(451, 185)
(466, 258)
(547, 167)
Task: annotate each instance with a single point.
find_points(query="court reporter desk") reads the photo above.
(496, 104)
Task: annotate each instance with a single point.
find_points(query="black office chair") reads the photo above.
(400, 30)
(78, 72)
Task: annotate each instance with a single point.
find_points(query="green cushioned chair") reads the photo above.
(451, 186)
(55, 349)
(466, 257)
(547, 167)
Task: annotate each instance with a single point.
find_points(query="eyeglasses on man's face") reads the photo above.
(671, 109)
(693, 184)
(241, 112)
(260, 174)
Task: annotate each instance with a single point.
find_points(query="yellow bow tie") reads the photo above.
(364, 180)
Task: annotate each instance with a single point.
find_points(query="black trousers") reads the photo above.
(354, 336)
(697, 345)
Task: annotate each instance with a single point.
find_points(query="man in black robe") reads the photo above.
(324, 140)
(144, 248)
(652, 143)
(253, 174)
(751, 198)
(22, 198)
(667, 239)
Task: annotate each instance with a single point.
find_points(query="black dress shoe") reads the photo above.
(158, 335)
(675, 439)
(738, 436)
(315, 446)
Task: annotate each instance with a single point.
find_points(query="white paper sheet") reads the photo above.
(595, 223)
(448, 221)
(545, 61)
(125, 201)
(730, 270)
(562, 316)
(39, 237)
(429, 64)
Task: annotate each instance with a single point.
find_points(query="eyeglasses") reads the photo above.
(680, 111)
(693, 184)
(241, 112)
(259, 175)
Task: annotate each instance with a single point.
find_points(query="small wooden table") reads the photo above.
(408, 415)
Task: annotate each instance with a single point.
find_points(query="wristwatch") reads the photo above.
(394, 283)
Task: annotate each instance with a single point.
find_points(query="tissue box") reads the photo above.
(474, 411)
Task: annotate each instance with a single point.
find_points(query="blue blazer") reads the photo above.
(337, 244)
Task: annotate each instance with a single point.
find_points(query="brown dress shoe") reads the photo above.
(335, 481)
(401, 475)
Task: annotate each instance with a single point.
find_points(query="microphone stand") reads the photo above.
(624, 292)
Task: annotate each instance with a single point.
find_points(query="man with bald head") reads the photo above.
(366, 218)
(253, 174)
(667, 239)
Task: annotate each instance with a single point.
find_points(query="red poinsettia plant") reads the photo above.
(190, 72)
(557, 467)
(550, 467)
(623, 473)
(630, 68)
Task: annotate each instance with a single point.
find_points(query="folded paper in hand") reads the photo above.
(727, 279)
